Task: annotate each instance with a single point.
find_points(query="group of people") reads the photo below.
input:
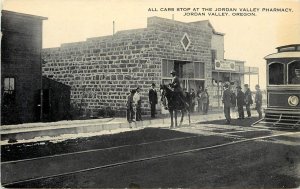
(134, 99)
(134, 102)
(230, 100)
(241, 99)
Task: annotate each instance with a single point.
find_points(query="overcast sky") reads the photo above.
(246, 38)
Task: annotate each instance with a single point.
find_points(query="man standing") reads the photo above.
(137, 104)
(233, 101)
(205, 101)
(153, 99)
(240, 102)
(248, 100)
(193, 98)
(227, 102)
(130, 112)
(258, 101)
(199, 92)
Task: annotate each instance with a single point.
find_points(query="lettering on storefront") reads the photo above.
(224, 65)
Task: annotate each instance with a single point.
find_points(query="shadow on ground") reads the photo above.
(247, 122)
(44, 148)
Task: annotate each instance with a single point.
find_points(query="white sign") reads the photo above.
(225, 65)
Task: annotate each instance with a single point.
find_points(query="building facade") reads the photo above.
(21, 67)
(102, 70)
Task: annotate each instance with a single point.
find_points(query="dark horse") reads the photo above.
(173, 104)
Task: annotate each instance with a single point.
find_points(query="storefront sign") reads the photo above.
(225, 65)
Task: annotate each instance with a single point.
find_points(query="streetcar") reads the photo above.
(283, 88)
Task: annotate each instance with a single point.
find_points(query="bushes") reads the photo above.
(106, 112)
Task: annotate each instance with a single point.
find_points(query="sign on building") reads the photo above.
(225, 65)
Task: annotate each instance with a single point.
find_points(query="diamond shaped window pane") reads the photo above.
(185, 41)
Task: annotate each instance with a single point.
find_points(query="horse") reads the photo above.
(173, 104)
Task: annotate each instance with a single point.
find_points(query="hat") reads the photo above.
(153, 84)
(132, 91)
(257, 86)
(137, 88)
(246, 85)
(173, 72)
(239, 87)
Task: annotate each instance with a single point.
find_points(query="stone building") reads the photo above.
(21, 72)
(102, 70)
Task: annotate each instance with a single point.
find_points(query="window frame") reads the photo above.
(284, 73)
(14, 85)
(287, 73)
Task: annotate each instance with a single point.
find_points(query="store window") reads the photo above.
(276, 74)
(294, 73)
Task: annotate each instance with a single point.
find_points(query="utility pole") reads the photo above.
(113, 27)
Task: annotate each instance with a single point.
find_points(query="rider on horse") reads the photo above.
(175, 84)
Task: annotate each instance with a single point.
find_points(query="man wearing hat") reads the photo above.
(248, 99)
(258, 101)
(153, 99)
(240, 99)
(227, 103)
(175, 84)
(137, 104)
(130, 112)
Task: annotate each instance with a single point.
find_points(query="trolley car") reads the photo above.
(283, 88)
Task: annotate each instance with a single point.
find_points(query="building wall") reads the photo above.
(21, 59)
(56, 100)
(217, 43)
(101, 71)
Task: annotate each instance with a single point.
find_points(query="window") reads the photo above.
(9, 85)
(294, 73)
(276, 74)
(167, 67)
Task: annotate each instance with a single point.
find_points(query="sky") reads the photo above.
(248, 38)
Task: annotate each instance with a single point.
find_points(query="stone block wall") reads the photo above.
(102, 70)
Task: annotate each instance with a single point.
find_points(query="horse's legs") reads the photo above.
(182, 115)
(171, 114)
(175, 117)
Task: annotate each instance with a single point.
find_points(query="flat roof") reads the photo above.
(24, 15)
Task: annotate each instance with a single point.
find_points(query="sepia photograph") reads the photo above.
(150, 94)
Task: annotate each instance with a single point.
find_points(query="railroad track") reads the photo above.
(150, 158)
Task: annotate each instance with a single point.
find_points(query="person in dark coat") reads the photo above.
(258, 101)
(199, 92)
(130, 112)
(205, 101)
(175, 84)
(193, 99)
(240, 99)
(227, 103)
(153, 99)
(248, 100)
(233, 101)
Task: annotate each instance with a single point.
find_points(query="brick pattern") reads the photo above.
(102, 70)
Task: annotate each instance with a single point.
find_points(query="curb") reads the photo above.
(30, 134)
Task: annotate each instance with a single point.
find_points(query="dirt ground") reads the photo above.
(268, 163)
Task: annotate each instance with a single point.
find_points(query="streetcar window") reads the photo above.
(276, 74)
(294, 73)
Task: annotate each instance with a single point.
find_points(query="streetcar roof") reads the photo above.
(288, 54)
